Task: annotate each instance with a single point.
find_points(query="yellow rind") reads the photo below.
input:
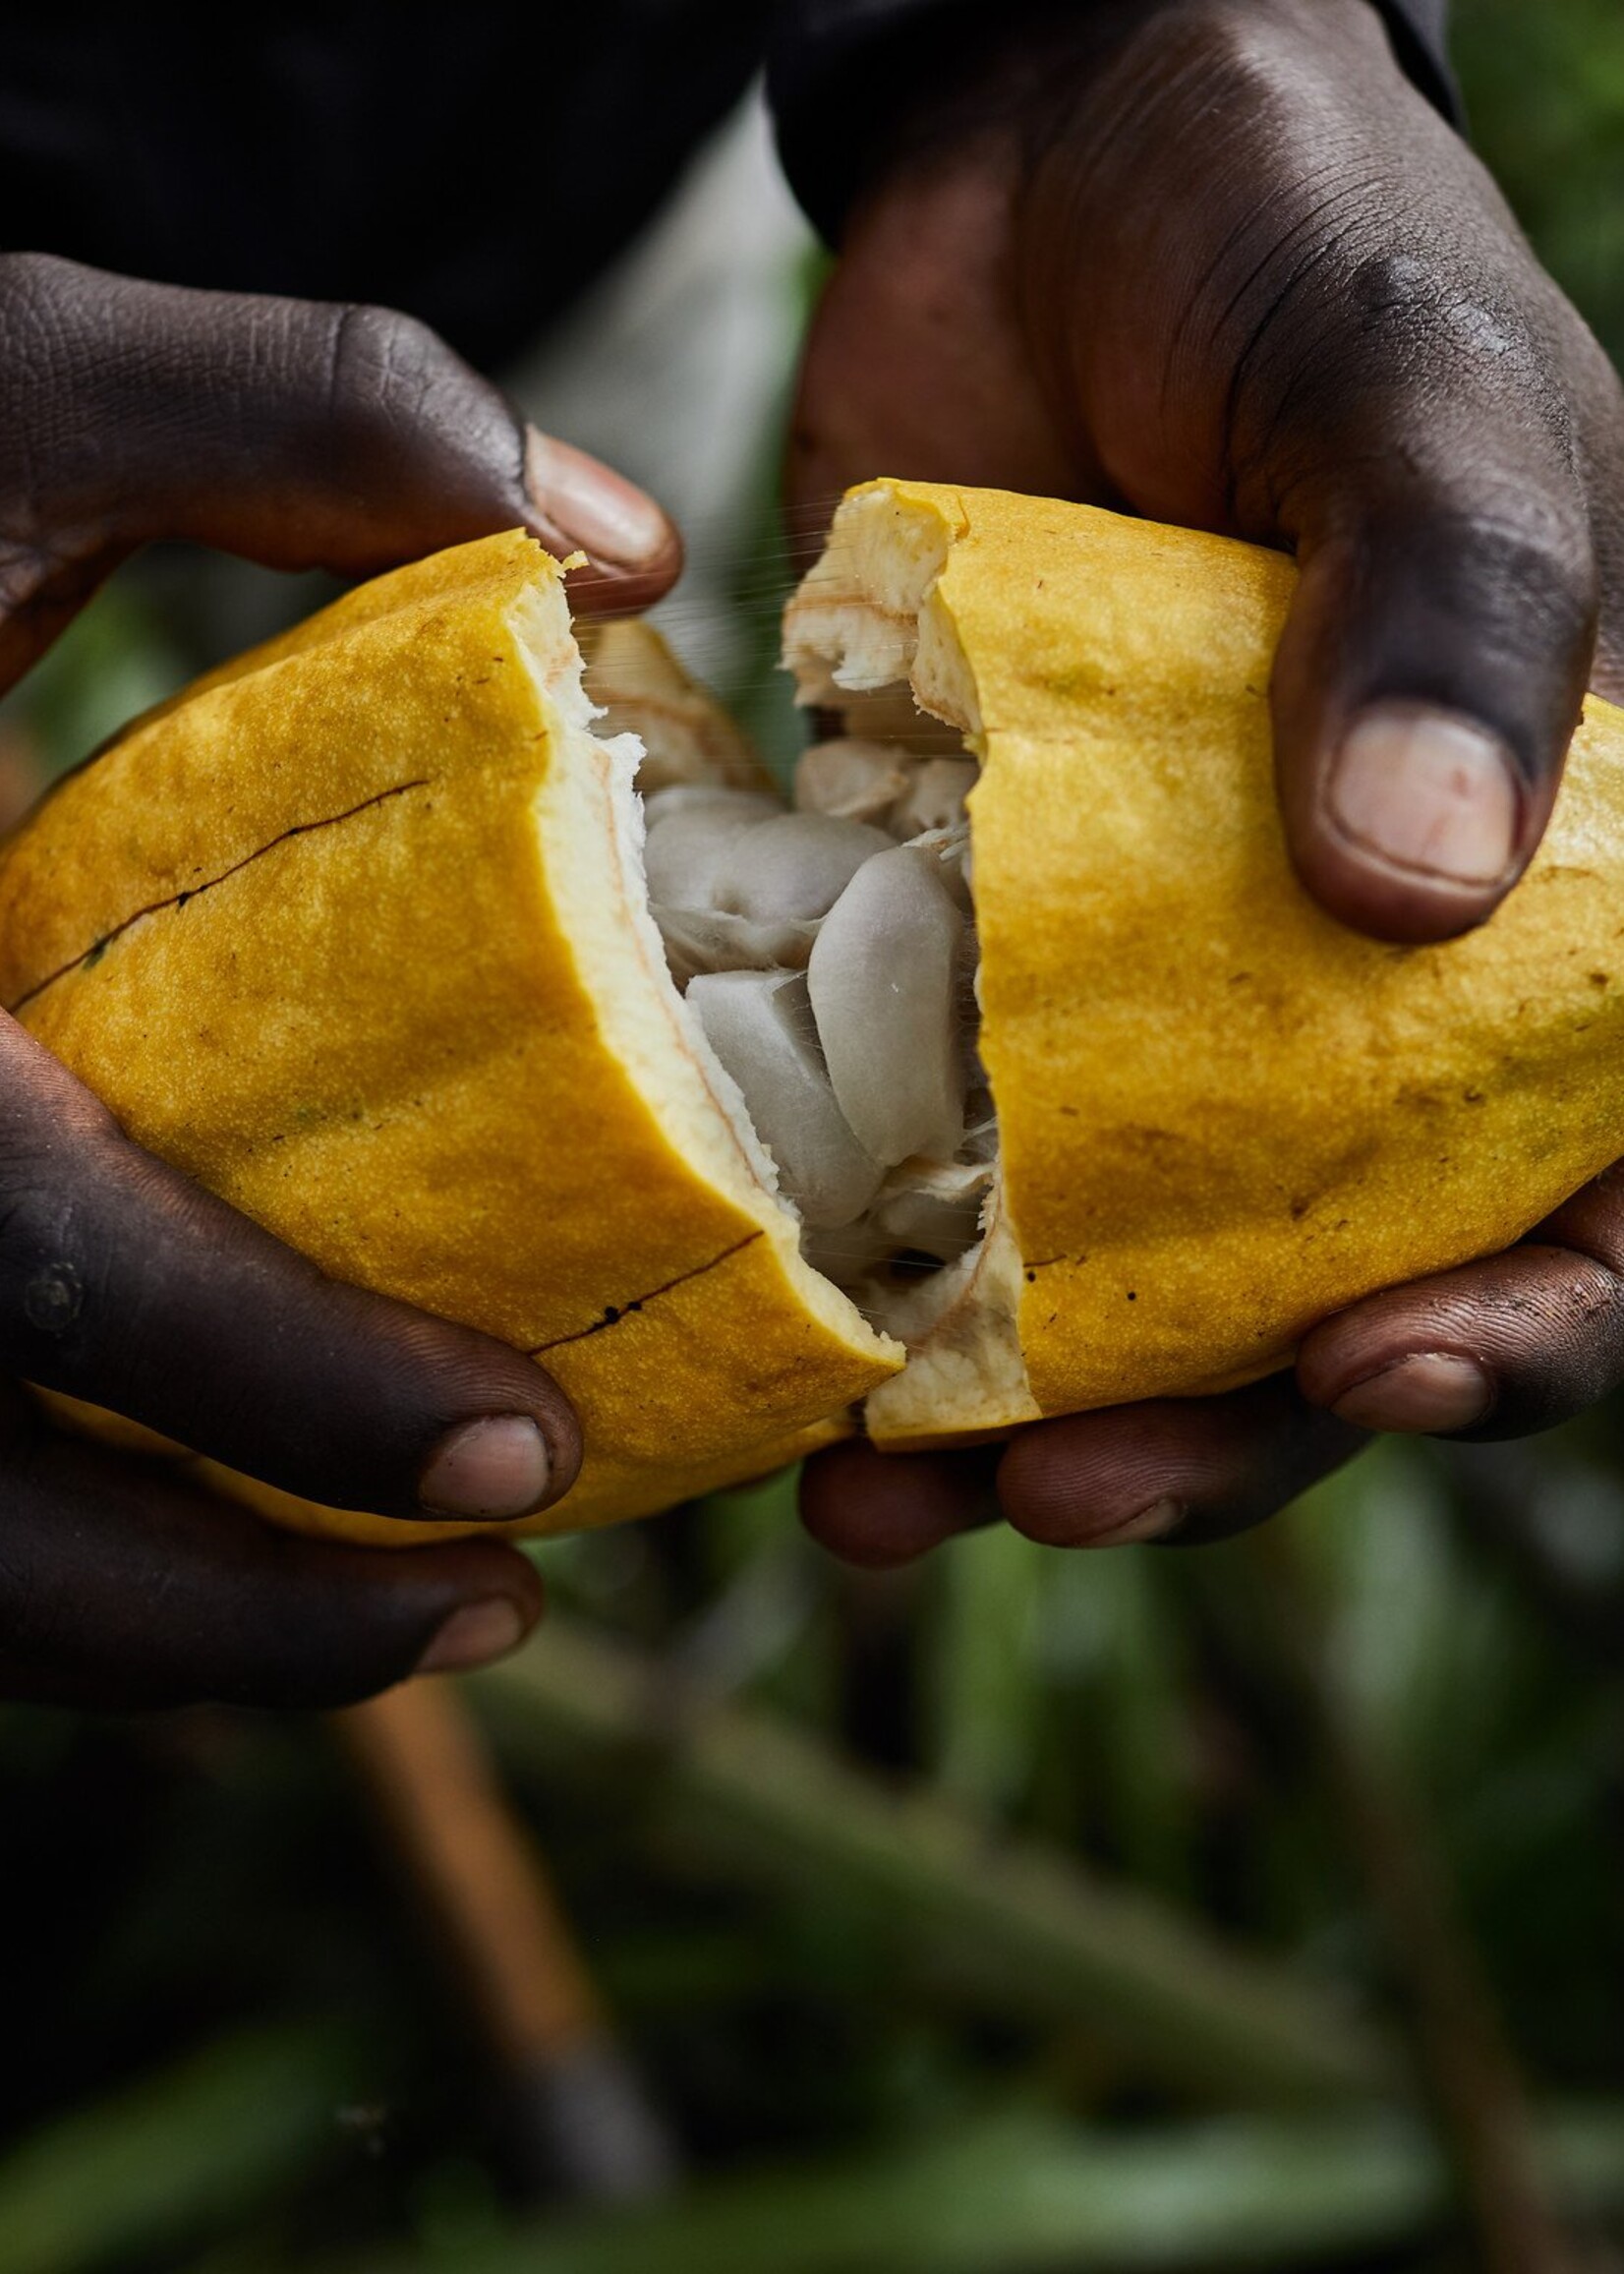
(1224, 1115)
(353, 1008)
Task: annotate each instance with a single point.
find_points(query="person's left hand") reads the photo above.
(1218, 263)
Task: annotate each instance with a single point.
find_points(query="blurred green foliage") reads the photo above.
(1544, 88)
(874, 2048)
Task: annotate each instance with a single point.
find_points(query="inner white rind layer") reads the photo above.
(590, 805)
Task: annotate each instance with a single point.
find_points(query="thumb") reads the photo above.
(298, 433)
(1436, 661)
(1425, 690)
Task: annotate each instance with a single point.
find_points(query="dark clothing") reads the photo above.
(838, 66)
(475, 168)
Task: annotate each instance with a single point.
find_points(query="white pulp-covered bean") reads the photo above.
(883, 980)
(760, 1026)
(951, 851)
(833, 971)
(795, 866)
(699, 939)
(857, 780)
(934, 798)
(690, 830)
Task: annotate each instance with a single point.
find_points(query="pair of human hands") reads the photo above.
(1214, 261)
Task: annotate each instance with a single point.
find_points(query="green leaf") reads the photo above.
(176, 2155)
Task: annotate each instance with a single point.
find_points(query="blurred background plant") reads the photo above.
(1256, 1907)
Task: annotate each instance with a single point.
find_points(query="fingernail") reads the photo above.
(1431, 1394)
(473, 1635)
(497, 1467)
(594, 508)
(1428, 791)
(1149, 1523)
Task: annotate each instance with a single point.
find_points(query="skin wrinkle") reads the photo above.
(1245, 227)
(1241, 465)
(1312, 374)
(39, 372)
(1248, 76)
(340, 352)
(1308, 422)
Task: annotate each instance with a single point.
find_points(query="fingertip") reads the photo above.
(476, 1634)
(1417, 823)
(1386, 1365)
(881, 1510)
(1428, 1393)
(141, 1587)
(633, 551)
(493, 1470)
(448, 1608)
(1089, 1481)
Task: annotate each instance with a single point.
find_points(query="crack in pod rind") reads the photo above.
(612, 1313)
(89, 956)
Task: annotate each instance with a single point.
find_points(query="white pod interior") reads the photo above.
(828, 975)
(827, 954)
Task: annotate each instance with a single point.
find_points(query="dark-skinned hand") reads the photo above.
(1218, 263)
(300, 436)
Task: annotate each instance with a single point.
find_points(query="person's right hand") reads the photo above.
(1217, 263)
(300, 436)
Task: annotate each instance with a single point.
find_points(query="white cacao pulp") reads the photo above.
(827, 956)
(760, 1026)
(881, 979)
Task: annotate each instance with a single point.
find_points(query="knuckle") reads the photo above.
(46, 1282)
(395, 401)
(385, 369)
(1518, 554)
(38, 291)
(1435, 377)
